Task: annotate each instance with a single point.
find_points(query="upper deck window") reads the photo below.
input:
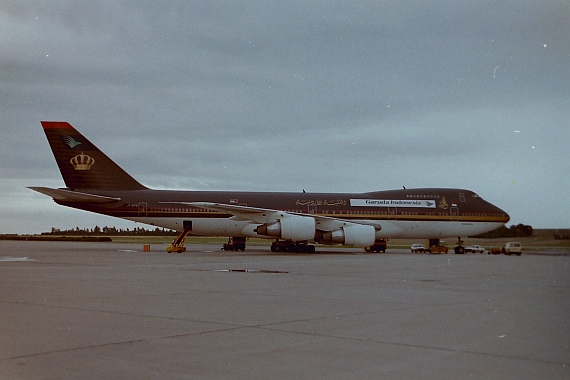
(461, 197)
(423, 196)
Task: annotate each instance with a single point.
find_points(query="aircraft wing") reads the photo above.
(73, 196)
(254, 214)
(262, 215)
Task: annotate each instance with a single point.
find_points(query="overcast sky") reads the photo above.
(327, 96)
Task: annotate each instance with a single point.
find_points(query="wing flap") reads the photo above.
(73, 196)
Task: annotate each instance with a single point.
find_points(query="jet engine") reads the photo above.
(291, 227)
(353, 234)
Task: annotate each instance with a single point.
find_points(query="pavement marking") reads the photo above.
(9, 258)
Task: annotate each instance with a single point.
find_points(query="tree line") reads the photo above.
(111, 231)
(519, 230)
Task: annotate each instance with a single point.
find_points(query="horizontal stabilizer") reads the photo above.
(73, 196)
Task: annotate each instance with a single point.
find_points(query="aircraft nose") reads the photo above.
(505, 217)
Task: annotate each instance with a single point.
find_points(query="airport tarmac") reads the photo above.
(107, 310)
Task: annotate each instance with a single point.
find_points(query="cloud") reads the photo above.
(326, 96)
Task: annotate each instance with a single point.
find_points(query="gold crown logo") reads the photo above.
(82, 162)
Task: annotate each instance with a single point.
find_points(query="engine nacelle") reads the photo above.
(353, 234)
(291, 227)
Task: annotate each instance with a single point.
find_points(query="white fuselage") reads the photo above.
(389, 228)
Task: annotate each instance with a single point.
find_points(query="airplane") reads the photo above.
(294, 220)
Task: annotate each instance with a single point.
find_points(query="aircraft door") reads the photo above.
(312, 209)
(454, 212)
(392, 213)
(142, 209)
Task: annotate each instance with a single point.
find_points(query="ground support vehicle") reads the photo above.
(379, 245)
(235, 243)
(291, 246)
(438, 248)
(418, 248)
(512, 248)
(474, 249)
(177, 244)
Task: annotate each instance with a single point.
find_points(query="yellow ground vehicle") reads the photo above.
(176, 247)
(495, 251)
(177, 244)
(438, 248)
(510, 248)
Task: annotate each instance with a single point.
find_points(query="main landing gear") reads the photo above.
(291, 246)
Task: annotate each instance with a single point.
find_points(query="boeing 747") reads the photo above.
(295, 221)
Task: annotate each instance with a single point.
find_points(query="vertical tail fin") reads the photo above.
(82, 164)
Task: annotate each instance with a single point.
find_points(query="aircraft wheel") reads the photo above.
(459, 250)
